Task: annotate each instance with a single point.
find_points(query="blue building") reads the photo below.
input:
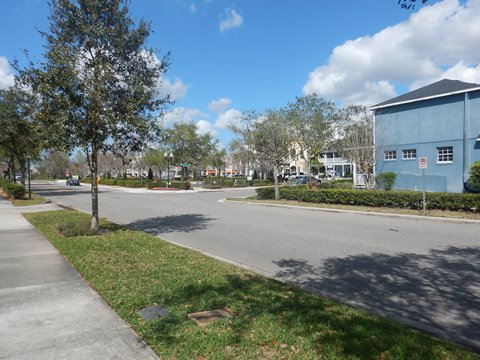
(441, 122)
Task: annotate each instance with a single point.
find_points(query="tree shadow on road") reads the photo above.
(47, 192)
(175, 223)
(438, 292)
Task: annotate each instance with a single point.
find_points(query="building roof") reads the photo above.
(440, 88)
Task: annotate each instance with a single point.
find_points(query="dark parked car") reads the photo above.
(73, 181)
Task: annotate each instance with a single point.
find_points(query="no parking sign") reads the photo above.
(423, 163)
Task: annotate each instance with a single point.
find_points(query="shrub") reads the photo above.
(188, 185)
(16, 191)
(108, 181)
(227, 183)
(266, 193)
(473, 184)
(154, 184)
(150, 174)
(124, 183)
(261, 182)
(336, 184)
(386, 180)
(377, 198)
(4, 183)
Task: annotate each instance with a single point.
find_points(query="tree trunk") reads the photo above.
(12, 169)
(23, 170)
(275, 178)
(94, 172)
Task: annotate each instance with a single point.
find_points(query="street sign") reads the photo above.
(423, 163)
(184, 165)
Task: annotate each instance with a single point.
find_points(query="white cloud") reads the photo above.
(220, 105)
(177, 90)
(6, 76)
(193, 8)
(205, 127)
(231, 20)
(436, 42)
(181, 114)
(231, 117)
(459, 71)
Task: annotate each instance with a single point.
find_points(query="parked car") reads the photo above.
(294, 176)
(302, 180)
(73, 181)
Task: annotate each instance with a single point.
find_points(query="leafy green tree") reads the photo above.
(311, 120)
(20, 137)
(272, 138)
(217, 159)
(98, 82)
(188, 146)
(155, 158)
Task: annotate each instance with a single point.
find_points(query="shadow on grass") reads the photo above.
(272, 313)
(438, 292)
(175, 223)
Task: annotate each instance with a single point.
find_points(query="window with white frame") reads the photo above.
(445, 154)
(409, 154)
(390, 155)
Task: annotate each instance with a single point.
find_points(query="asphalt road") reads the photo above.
(424, 273)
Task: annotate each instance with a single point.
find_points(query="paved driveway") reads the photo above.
(424, 273)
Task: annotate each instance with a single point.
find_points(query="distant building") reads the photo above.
(441, 122)
(335, 164)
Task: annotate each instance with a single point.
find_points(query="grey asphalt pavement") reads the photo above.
(47, 311)
(421, 272)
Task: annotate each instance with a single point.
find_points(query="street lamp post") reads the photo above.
(168, 156)
(29, 176)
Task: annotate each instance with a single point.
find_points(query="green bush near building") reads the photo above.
(376, 198)
(386, 180)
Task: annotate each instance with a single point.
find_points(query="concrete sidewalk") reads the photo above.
(47, 311)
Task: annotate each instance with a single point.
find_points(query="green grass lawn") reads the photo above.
(271, 320)
(35, 200)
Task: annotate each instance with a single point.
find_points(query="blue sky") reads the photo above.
(229, 56)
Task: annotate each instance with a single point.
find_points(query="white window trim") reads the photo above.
(447, 162)
(409, 158)
(389, 151)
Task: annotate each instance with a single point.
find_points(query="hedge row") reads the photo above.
(216, 183)
(173, 184)
(377, 198)
(336, 184)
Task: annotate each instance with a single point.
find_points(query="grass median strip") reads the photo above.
(271, 320)
(384, 210)
(35, 200)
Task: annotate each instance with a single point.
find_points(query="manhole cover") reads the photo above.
(206, 317)
(153, 312)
